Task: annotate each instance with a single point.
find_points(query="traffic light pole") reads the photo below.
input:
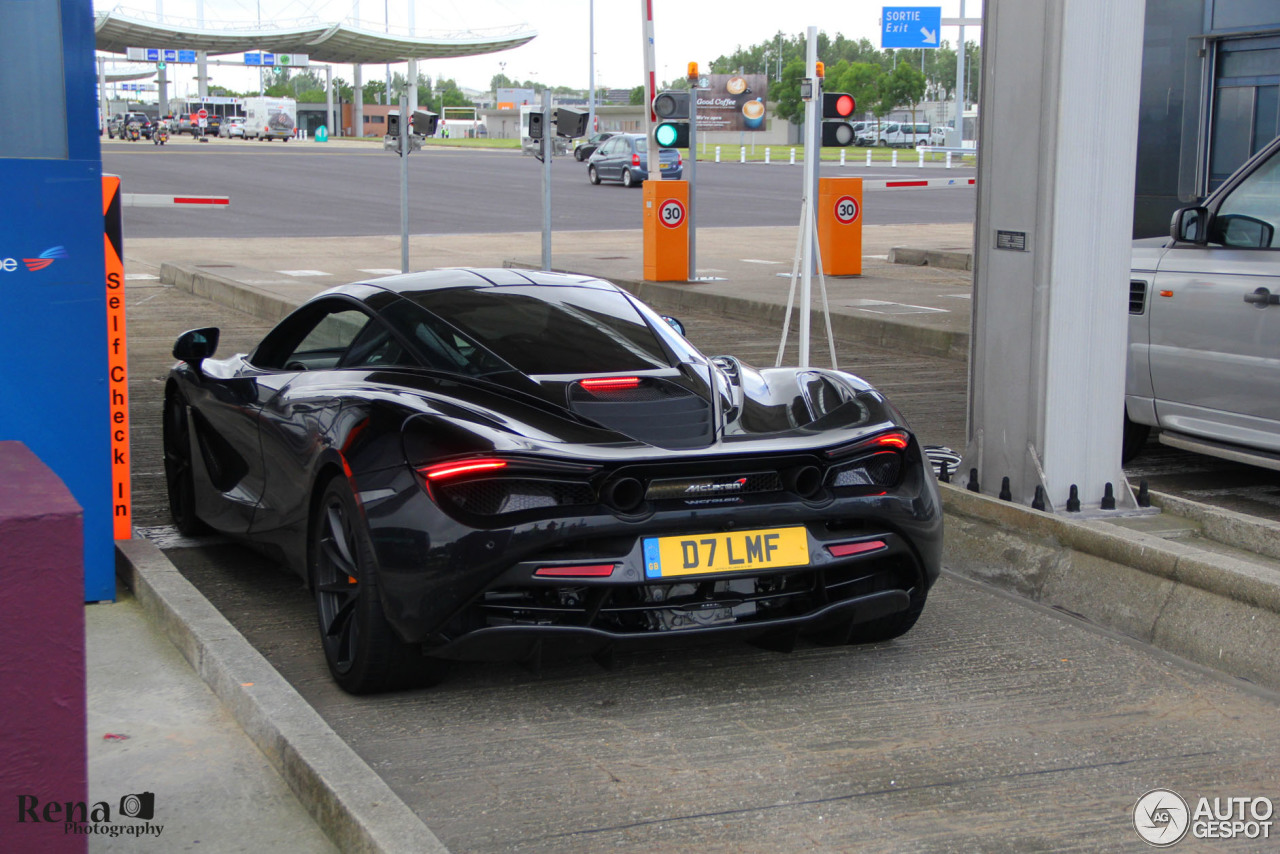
(693, 186)
(547, 147)
(404, 183)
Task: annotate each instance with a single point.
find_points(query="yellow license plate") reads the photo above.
(733, 551)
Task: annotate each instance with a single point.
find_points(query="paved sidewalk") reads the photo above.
(154, 726)
(924, 308)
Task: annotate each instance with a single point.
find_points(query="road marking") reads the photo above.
(301, 273)
(879, 306)
(381, 271)
(139, 277)
(760, 261)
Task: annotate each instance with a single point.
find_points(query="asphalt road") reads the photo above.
(303, 189)
(994, 725)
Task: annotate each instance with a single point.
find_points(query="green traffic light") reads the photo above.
(665, 134)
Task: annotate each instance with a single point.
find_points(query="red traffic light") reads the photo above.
(837, 105)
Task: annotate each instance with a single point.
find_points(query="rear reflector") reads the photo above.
(848, 549)
(595, 570)
(610, 383)
(447, 470)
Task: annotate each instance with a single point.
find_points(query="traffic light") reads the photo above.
(570, 123)
(424, 122)
(535, 124)
(837, 105)
(672, 109)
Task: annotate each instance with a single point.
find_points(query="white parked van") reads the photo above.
(904, 134)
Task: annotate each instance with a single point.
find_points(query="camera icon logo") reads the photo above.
(141, 805)
(1161, 818)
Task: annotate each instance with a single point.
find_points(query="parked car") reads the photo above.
(1204, 324)
(496, 464)
(866, 133)
(625, 158)
(120, 121)
(587, 147)
(232, 128)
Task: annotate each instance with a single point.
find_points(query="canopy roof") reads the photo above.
(332, 43)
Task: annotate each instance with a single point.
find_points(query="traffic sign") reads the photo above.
(202, 113)
(910, 26)
(671, 213)
(847, 210)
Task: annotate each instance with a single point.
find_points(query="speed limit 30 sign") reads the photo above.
(847, 210)
(671, 213)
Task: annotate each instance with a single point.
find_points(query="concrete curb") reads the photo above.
(948, 259)
(227, 291)
(1216, 610)
(348, 800)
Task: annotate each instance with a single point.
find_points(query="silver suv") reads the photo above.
(1204, 324)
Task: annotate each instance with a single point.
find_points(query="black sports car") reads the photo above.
(484, 464)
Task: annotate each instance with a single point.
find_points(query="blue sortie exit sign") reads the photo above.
(910, 26)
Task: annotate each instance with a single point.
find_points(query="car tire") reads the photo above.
(592, 175)
(578, 155)
(627, 179)
(1135, 439)
(179, 476)
(362, 651)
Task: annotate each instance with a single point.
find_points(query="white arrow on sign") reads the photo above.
(930, 36)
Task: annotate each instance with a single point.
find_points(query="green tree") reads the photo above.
(902, 87)
(786, 92)
(637, 96)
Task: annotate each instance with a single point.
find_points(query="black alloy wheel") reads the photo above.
(363, 654)
(179, 477)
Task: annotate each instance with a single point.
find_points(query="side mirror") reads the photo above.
(196, 345)
(1189, 225)
(673, 323)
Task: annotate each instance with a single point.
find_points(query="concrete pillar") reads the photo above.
(202, 73)
(1052, 248)
(334, 130)
(357, 101)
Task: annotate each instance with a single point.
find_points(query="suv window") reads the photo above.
(1250, 215)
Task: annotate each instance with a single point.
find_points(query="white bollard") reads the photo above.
(717, 154)
(742, 157)
(842, 158)
(868, 157)
(894, 162)
(948, 159)
(767, 151)
(793, 157)
(920, 157)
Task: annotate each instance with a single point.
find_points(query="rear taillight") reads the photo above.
(635, 160)
(444, 471)
(874, 462)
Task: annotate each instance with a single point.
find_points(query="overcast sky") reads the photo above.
(683, 31)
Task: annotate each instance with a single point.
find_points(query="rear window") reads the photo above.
(550, 330)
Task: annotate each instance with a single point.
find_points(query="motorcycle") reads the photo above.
(160, 135)
(133, 132)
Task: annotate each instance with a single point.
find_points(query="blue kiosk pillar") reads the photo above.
(53, 315)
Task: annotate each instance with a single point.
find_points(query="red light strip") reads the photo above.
(610, 383)
(595, 570)
(468, 467)
(892, 440)
(848, 549)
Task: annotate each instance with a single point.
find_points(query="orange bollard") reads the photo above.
(839, 219)
(666, 231)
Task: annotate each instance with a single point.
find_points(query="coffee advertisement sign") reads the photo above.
(733, 102)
